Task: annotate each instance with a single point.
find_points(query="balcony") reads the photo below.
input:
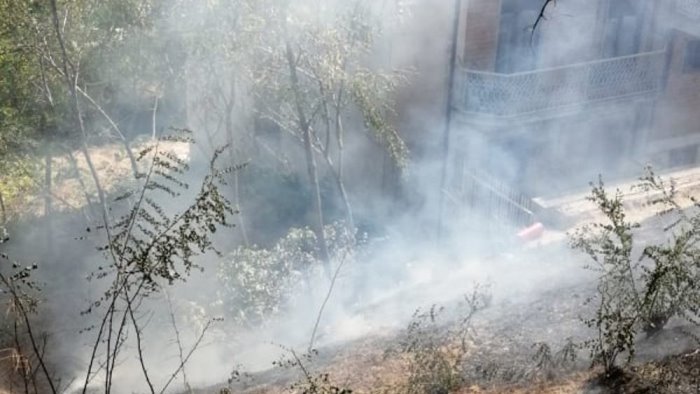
(534, 92)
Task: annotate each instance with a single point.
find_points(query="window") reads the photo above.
(692, 56)
(517, 46)
(623, 28)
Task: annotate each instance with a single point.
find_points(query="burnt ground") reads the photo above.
(502, 356)
(539, 300)
(502, 348)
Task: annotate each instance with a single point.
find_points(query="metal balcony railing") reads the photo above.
(690, 8)
(549, 89)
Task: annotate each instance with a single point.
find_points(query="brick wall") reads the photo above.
(481, 34)
(677, 112)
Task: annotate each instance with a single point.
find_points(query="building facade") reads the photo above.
(599, 87)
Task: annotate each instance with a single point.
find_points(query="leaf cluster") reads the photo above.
(640, 288)
(255, 283)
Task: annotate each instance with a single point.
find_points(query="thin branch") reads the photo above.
(139, 344)
(95, 347)
(3, 212)
(78, 176)
(155, 111)
(325, 301)
(122, 137)
(178, 341)
(189, 354)
(540, 17)
(23, 365)
(30, 333)
(137, 207)
(72, 84)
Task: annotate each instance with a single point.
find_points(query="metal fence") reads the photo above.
(493, 198)
(553, 88)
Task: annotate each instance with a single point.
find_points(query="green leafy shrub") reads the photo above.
(610, 246)
(19, 175)
(639, 287)
(255, 283)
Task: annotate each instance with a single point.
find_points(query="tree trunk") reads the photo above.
(325, 150)
(88, 201)
(239, 210)
(3, 212)
(230, 141)
(339, 176)
(71, 82)
(312, 170)
(47, 201)
(122, 138)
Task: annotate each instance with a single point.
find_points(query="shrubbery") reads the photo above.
(255, 283)
(437, 351)
(640, 285)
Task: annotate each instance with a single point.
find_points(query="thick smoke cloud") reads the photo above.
(406, 266)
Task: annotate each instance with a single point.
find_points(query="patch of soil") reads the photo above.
(673, 374)
(112, 165)
(503, 343)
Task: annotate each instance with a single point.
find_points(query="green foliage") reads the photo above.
(151, 243)
(336, 83)
(18, 181)
(618, 304)
(255, 283)
(640, 290)
(111, 46)
(24, 106)
(672, 280)
(310, 63)
(154, 245)
(371, 92)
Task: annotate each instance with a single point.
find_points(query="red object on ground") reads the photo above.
(531, 233)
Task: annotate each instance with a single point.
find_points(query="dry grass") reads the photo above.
(568, 384)
(112, 165)
(12, 365)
